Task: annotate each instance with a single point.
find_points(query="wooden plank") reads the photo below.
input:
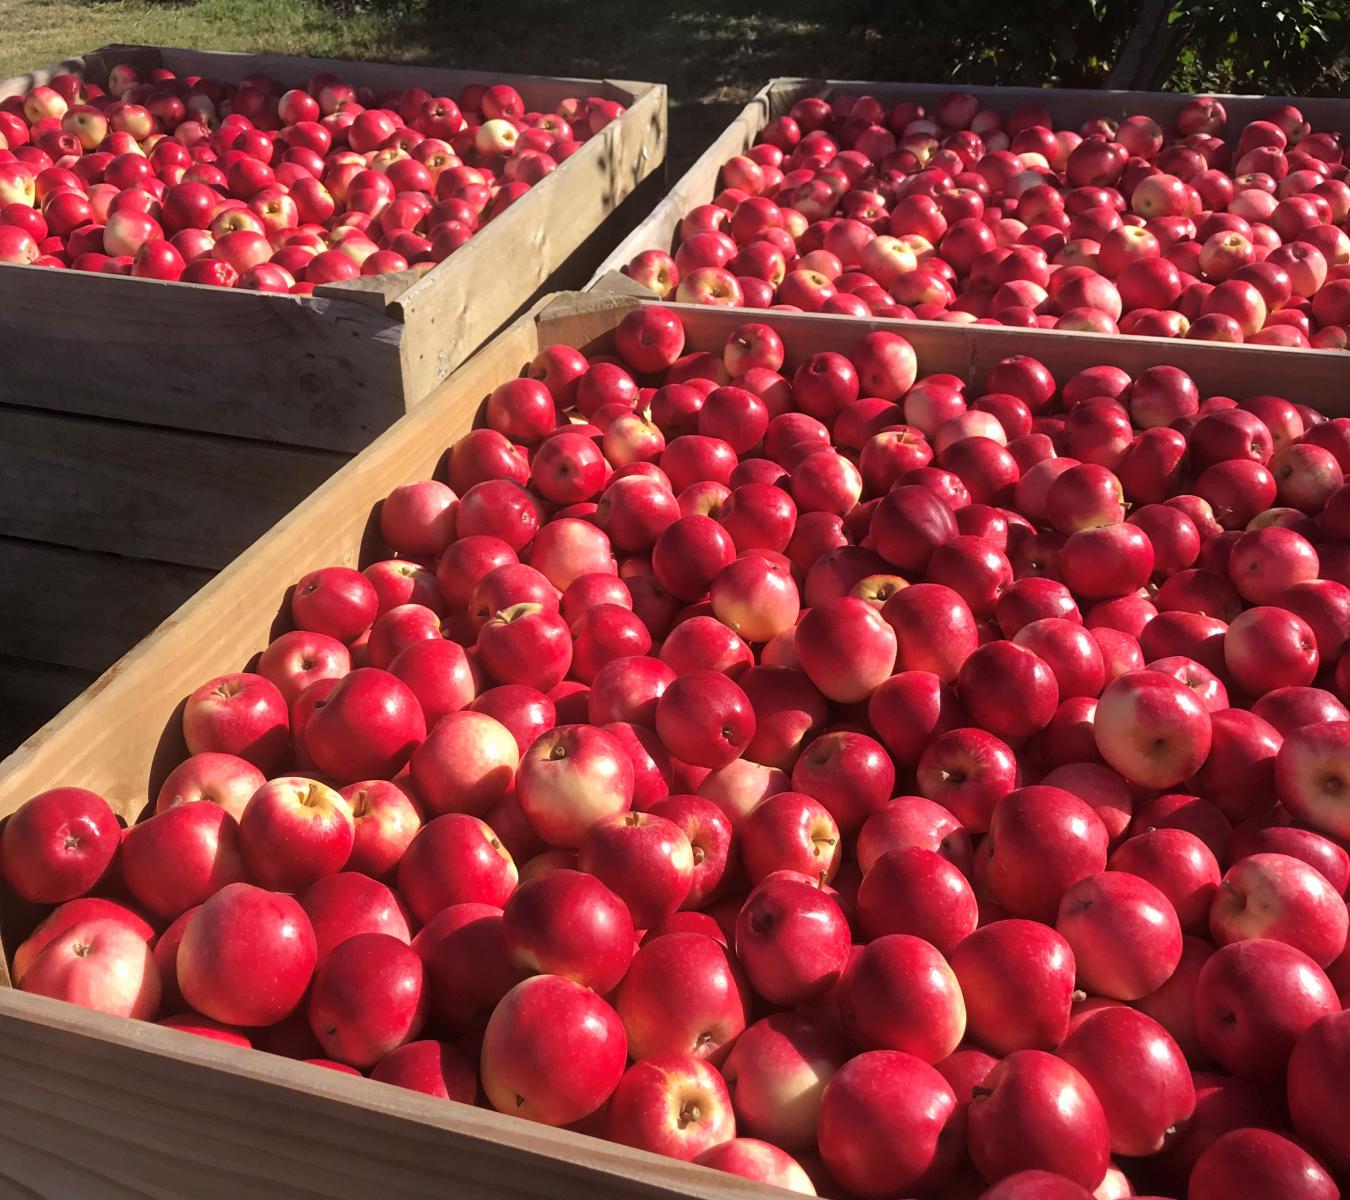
(539, 92)
(31, 693)
(108, 1109)
(1320, 378)
(150, 493)
(322, 372)
(75, 608)
(452, 310)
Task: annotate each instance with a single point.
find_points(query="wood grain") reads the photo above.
(79, 609)
(322, 372)
(175, 497)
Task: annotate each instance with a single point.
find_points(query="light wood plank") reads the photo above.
(698, 185)
(175, 497)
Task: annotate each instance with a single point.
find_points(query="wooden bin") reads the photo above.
(101, 1107)
(1070, 106)
(152, 431)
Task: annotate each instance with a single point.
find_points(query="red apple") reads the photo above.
(1253, 1000)
(553, 1052)
(246, 956)
(1036, 1112)
(776, 1074)
(1017, 978)
(683, 993)
(1137, 1072)
(99, 964)
(886, 1126)
(58, 845)
(671, 1104)
(369, 997)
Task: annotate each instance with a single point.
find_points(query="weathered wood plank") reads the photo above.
(175, 497)
(75, 608)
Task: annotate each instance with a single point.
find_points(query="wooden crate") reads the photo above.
(152, 431)
(1070, 106)
(100, 1107)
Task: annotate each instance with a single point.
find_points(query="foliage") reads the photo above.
(1289, 47)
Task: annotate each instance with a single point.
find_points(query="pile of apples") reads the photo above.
(970, 215)
(255, 186)
(859, 782)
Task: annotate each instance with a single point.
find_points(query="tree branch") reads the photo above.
(1150, 27)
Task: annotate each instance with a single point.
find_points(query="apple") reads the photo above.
(1253, 1000)
(293, 832)
(1124, 932)
(241, 714)
(760, 1161)
(247, 956)
(1152, 729)
(1309, 772)
(776, 1074)
(1281, 898)
(483, 870)
(569, 778)
(181, 857)
(1036, 1112)
(1042, 841)
(1147, 1099)
(343, 905)
(369, 997)
(888, 1126)
(900, 994)
(683, 993)
(1003, 663)
(295, 660)
(671, 1104)
(791, 943)
(98, 963)
(1259, 1159)
(58, 845)
(646, 860)
(1179, 865)
(553, 1051)
(1017, 978)
(367, 726)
